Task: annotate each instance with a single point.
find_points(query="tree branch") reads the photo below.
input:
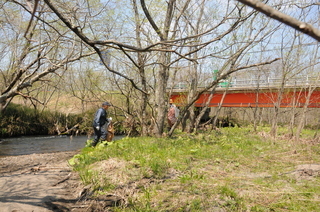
(288, 20)
(150, 19)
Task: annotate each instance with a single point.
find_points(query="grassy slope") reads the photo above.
(232, 170)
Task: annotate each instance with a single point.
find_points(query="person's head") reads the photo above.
(170, 101)
(106, 105)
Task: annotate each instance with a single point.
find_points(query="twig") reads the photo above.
(63, 180)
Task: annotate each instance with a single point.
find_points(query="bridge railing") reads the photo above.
(253, 83)
(275, 82)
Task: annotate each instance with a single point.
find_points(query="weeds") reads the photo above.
(235, 170)
(19, 120)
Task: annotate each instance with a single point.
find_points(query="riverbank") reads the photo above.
(233, 169)
(230, 169)
(39, 182)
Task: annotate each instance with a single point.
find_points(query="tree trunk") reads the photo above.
(160, 97)
(141, 65)
(303, 114)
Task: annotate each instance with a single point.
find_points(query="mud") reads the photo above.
(40, 183)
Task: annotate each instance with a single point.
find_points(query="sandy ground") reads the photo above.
(39, 183)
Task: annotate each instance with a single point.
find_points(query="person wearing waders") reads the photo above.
(100, 123)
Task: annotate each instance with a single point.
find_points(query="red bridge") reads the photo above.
(239, 96)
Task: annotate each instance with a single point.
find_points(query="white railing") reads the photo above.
(276, 82)
(254, 83)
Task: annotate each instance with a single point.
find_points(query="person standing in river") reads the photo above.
(100, 123)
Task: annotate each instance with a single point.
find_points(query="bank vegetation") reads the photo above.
(231, 169)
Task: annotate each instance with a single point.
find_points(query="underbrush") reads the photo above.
(233, 169)
(19, 120)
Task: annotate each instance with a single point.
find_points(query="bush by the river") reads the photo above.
(19, 120)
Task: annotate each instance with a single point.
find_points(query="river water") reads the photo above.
(42, 144)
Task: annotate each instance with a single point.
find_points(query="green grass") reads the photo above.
(235, 170)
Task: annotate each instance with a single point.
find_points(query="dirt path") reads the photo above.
(39, 183)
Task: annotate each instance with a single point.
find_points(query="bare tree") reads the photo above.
(165, 46)
(230, 57)
(161, 41)
(31, 59)
(311, 87)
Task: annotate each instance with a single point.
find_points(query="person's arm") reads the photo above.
(97, 118)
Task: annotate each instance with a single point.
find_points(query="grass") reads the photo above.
(235, 169)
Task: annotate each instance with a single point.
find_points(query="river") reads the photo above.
(27, 145)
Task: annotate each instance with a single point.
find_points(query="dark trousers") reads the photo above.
(100, 134)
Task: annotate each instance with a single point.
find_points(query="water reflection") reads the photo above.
(42, 144)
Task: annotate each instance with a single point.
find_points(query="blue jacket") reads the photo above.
(100, 118)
